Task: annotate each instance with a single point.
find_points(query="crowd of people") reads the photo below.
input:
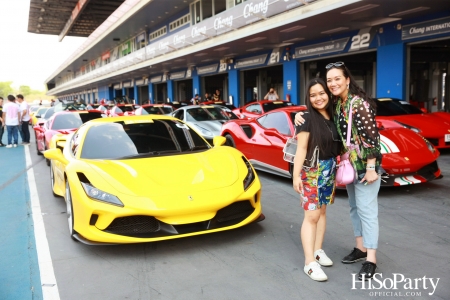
(207, 98)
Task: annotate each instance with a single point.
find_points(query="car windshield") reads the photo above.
(34, 108)
(67, 121)
(157, 110)
(41, 111)
(268, 106)
(48, 113)
(135, 139)
(395, 108)
(209, 113)
(126, 108)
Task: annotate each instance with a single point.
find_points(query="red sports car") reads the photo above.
(256, 109)
(63, 122)
(408, 158)
(122, 110)
(435, 127)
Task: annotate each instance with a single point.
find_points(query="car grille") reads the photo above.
(150, 227)
(133, 226)
(237, 210)
(435, 142)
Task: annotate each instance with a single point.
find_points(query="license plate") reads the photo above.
(447, 138)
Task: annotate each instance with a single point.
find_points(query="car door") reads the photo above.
(271, 138)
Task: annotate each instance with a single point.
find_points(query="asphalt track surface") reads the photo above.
(261, 261)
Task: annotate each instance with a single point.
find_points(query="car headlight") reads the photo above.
(409, 127)
(204, 132)
(100, 195)
(250, 175)
(429, 145)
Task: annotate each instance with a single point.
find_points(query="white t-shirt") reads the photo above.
(11, 109)
(272, 96)
(24, 107)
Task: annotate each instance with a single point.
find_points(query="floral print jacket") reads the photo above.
(365, 139)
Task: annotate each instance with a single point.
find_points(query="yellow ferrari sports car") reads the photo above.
(135, 179)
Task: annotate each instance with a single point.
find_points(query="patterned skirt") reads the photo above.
(319, 185)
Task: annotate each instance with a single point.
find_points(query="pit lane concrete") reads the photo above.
(260, 261)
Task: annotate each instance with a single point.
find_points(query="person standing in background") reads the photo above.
(11, 117)
(24, 122)
(2, 122)
(271, 95)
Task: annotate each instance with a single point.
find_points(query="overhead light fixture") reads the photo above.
(40, 19)
(37, 30)
(382, 21)
(221, 48)
(334, 30)
(39, 25)
(256, 39)
(84, 59)
(298, 27)
(201, 54)
(44, 0)
(409, 11)
(254, 49)
(42, 9)
(359, 9)
(293, 40)
(116, 39)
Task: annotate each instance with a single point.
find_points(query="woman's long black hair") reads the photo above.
(353, 87)
(318, 128)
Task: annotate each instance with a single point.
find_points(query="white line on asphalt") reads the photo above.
(48, 280)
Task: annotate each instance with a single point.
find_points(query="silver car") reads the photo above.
(206, 119)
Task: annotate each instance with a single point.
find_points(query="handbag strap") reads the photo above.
(349, 124)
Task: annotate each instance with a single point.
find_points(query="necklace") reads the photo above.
(331, 131)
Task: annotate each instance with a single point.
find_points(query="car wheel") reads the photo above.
(69, 211)
(46, 160)
(37, 148)
(52, 179)
(230, 141)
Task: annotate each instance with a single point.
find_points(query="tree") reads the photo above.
(25, 90)
(6, 89)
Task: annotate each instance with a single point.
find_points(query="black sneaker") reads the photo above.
(367, 271)
(355, 256)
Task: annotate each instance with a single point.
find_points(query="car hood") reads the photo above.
(214, 126)
(428, 124)
(166, 175)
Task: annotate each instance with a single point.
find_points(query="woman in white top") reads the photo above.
(271, 95)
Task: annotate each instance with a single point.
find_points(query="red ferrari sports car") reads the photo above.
(63, 122)
(256, 109)
(122, 110)
(408, 158)
(435, 127)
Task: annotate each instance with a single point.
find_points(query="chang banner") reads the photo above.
(321, 48)
(427, 28)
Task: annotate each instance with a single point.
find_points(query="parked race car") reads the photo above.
(206, 119)
(63, 122)
(256, 109)
(117, 177)
(408, 158)
(154, 109)
(39, 113)
(435, 127)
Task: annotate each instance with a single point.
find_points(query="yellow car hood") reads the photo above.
(157, 176)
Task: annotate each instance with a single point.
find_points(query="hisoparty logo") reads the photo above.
(399, 285)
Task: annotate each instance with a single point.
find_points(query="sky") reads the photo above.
(29, 58)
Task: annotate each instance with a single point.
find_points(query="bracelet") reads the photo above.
(370, 166)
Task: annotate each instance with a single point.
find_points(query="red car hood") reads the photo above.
(428, 124)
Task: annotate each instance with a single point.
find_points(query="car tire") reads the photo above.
(37, 148)
(230, 141)
(69, 211)
(52, 179)
(47, 161)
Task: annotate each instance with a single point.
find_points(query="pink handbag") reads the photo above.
(345, 173)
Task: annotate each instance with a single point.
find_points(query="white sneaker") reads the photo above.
(322, 258)
(15, 145)
(9, 146)
(315, 272)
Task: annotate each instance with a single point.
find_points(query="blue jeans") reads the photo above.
(363, 200)
(24, 131)
(13, 134)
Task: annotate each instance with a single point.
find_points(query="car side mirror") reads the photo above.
(219, 141)
(55, 154)
(424, 110)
